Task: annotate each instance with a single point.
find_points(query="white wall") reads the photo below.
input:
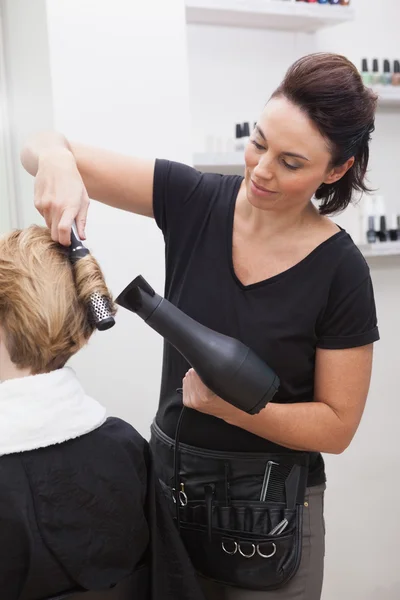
(362, 485)
(7, 178)
(232, 73)
(120, 81)
(29, 107)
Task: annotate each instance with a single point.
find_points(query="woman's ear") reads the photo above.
(337, 172)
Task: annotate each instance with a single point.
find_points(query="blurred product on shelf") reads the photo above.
(396, 73)
(383, 76)
(376, 76)
(374, 221)
(394, 228)
(339, 2)
(242, 135)
(386, 76)
(238, 137)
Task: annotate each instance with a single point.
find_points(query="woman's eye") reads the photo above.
(291, 167)
(258, 146)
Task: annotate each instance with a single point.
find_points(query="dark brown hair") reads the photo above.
(330, 90)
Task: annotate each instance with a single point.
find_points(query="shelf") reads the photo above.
(388, 96)
(227, 163)
(232, 163)
(285, 15)
(380, 249)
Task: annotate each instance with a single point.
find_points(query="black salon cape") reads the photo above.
(85, 514)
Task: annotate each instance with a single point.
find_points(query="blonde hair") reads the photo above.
(44, 299)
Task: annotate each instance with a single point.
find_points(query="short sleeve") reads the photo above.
(349, 319)
(175, 184)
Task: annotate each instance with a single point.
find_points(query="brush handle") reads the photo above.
(77, 249)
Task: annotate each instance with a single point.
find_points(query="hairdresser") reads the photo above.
(255, 258)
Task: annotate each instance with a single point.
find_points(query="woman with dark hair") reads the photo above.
(254, 258)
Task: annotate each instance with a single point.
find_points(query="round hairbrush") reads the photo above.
(99, 309)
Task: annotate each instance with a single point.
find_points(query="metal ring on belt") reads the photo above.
(232, 552)
(266, 555)
(248, 555)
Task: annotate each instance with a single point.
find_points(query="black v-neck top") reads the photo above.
(324, 301)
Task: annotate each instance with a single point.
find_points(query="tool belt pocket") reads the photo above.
(240, 515)
(239, 546)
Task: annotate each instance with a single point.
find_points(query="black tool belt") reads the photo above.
(239, 514)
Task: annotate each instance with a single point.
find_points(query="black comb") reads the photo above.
(274, 488)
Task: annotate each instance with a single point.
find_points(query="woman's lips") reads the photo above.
(261, 191)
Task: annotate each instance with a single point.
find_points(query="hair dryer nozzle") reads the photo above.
(139, 297)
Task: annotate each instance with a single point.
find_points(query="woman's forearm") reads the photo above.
(41, 144)
(308, 426)
(305, 426)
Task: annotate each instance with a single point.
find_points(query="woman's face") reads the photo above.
(286, 159)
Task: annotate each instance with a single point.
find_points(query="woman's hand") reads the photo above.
(60, 194)
(199, 397)
(68, 174)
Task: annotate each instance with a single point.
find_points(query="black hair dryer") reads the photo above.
(226, 366)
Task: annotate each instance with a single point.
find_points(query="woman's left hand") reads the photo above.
(199, 397)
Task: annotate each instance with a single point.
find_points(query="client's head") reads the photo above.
(44, 315)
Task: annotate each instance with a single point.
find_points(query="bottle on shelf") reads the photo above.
(394, 229)
(368, 219)
(239, 145)
(396, 73)
(386, 76)
(371, 233)
(381, 229)
(365, 74)
(383, 234)
(246, 133)
(376, 76)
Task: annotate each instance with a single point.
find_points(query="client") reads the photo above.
(80, 508)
